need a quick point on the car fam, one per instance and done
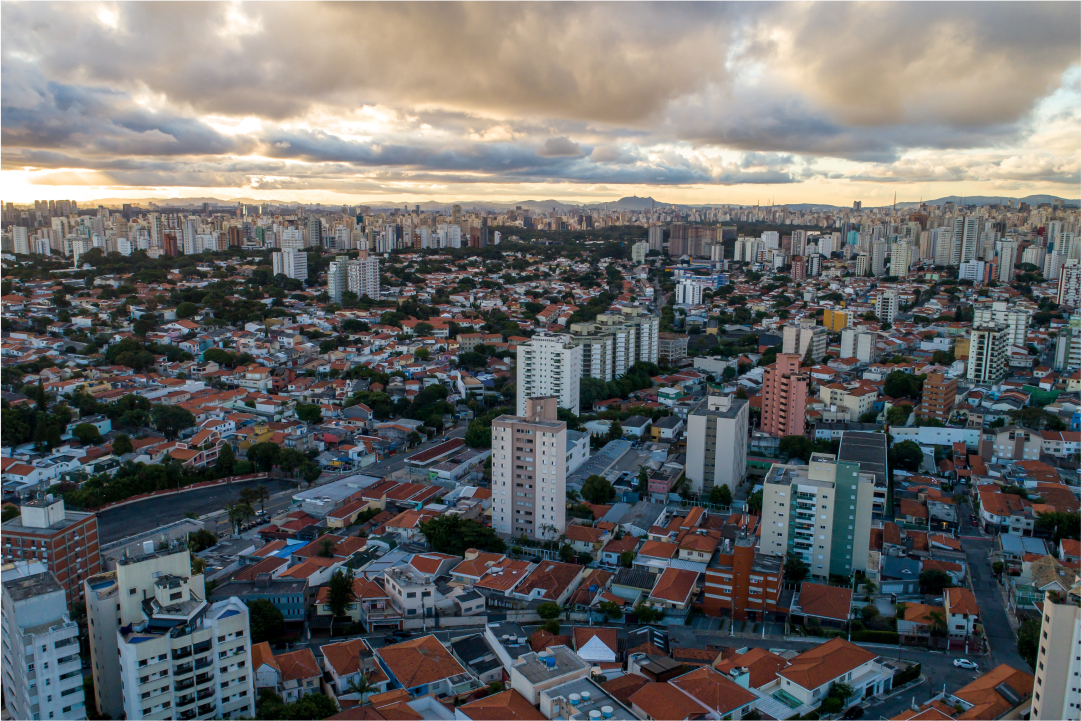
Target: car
(965, 663)
(855, 712)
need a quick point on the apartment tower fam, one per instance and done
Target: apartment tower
(529, 472)
(717, 443)
(549, 365)
(784, 397)
(938, 397)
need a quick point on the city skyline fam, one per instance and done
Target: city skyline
(713, 103)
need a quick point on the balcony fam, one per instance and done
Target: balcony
(185, 700)
(182, 669)
(207, 708)
(186, 715)
(204, 678)
(181, 653)
(184, 685)
(202, 647)
(203, 663)
(204, 694)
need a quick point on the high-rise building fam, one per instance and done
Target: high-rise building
(314, 232)
(66, 542)
(717, 443)
(291, 239)
(1068, 345)
(1069, 284)
(190, 229)
(363, 277)
(21, 240)
(291, 263)
(656, 238)
(859, 344)
(549, 365)
(835, 321)
(338, 278)
(798, 339)
(614, 342)
(863, 265)
(1055, 692)
(169, 245)
(886, 305)
(43, 676)
(688, 292)
(988, 353)
(878, 258)
(784, 397)
(821, 512)
(158, 649)
(938, 397)
(1006, 260)
(900, 259)
(529, 471)
(999, 311)
(965, 240)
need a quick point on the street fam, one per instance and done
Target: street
(996, 626)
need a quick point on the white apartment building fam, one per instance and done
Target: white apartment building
(292, 239)
(656, 238)
(1007, 258)
(878, 258)
(900, 259)
(688, 292)
(614, 342)
(337, 279)
(1069, 284)
(807, 335)
(988, 353)
(821, 512)
(863, 264)
(292, 263)
(549, 365)
(1056, 693)
(886, 305)
(529, 472)
(20, 239)
(859, 344)
(1000, 312)
(717, 443)
(42, 671)
(363, 277)
(159, 650)
(974, 270)
(965, 240)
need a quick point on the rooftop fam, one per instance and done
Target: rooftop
(534, 667)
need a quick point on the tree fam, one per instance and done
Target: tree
(122, 445)
(1028, 640)
(869, 417)
(567, 554)
(186, 310)
(289, 459)
(361, 687)
(170, 420)
(453, 534)
(596, 489)
(869, 613)
(754, 503)
(611, 610)
(897, 415)
(413, 439)
(238, 513)
(1059, 525)
(226, 460)
(309, 413)
(932, 581)
(899, 384)
(626, 559)
(906, 455)
(938, 624)
(795, 570)
(87, 434)
(265, 620)
(552, 626)
(720, 495)
(615, 431)
(795, 447)
(264, 455)
(648, 614)
(259, 495)
(202, 540)
(548, 610)
(340, 593)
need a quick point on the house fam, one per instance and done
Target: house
(349, 662)
(664, 702)
(586, 539)
(667, 428)
(550, 581)
(809, 675)
(291, 675)
(423, 666)
(635, 426)
(674, 590)
(610, 554)
(598, 646)
(717, 692)
(761, 665)
(506, 706)
(962, 611)
(827, 605)
(368, 598)
(1001, 693)
(533, 673)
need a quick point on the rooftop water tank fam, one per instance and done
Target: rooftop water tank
(585, 696)
(550, 661)
(575, 699)
(594, 716)
(607, 711)
(148, 546)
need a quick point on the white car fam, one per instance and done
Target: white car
(964, 663)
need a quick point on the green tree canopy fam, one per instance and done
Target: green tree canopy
(454, 535)
(265, 620)
(596, 489)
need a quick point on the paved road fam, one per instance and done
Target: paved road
(117, 523)
(1000, 634)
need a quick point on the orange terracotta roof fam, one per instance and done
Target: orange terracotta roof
(961, 600)
(664, 701)
(762, 665)
(420, 661)
(825, 601)
(675, 585)
(986, 701)
(822, 664)
(297, 665)
(507, 706)
(714, 690)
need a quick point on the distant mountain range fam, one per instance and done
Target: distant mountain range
(632, 202)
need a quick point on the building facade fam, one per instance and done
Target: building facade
(988, 353)
(717, 443)
(784, 397)
(529, 472)
(549, 365)
(1055, 693)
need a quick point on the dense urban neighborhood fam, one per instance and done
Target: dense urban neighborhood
(623, 461)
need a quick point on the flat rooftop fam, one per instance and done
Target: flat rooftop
(598, 699)
(337, 491)
(867, 449)
(24, 587)
(782, 475)
(535, 669)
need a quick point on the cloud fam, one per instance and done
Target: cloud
(561, 147)
(652, 94)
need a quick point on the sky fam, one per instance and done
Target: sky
(580, 102)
